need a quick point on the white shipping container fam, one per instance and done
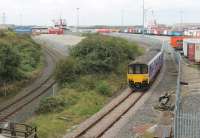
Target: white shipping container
(165, 32)
(197, 53)
(125, 31)
(185, 48)
(196, 42)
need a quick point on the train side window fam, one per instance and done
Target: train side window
(144, 69)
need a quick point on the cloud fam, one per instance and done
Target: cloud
(98, 11)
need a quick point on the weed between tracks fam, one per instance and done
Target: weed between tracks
(84, 103)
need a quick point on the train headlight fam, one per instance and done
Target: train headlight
(131, 82)
(145, 81)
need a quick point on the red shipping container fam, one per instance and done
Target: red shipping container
(191, 52)
(104, 30)
(177, 42)
(56, 31)
(130, 30)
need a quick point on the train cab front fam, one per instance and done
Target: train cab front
(138, 78)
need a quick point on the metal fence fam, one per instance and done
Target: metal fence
(177, 120)
(16, 130)
(186, 125)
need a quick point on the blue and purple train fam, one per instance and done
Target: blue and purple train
(142, 72)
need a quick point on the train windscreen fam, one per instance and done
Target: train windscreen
(138, 69)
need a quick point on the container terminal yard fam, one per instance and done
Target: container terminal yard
(78, 76)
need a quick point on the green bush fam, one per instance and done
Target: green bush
(103, 88)
(19, 55)
(52, 104)
(67, 70)
(9, 62)
(96, 54)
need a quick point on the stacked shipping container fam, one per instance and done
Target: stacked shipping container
(191, 49)
(58, 31)
(177, 42)
(104, 30)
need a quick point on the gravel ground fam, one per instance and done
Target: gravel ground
(191, 92)
(60, 43)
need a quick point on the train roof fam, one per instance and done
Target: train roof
(147, 57)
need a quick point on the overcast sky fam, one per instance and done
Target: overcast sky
(98, 12)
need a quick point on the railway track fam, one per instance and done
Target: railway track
(101, 122)
(7, 112)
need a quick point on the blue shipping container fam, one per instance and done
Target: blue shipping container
(23, 29)
(174, 33)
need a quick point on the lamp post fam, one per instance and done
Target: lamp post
(122, 17)
(143, 11)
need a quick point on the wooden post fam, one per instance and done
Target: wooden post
(12, 128)
(5, 89)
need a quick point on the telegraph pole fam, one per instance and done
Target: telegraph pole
(143, 11)
(77, 26)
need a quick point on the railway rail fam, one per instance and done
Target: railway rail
(105, 119)
(8, 111)
(99, 124)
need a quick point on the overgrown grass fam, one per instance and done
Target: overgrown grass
(87, 82)
(85, 104)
